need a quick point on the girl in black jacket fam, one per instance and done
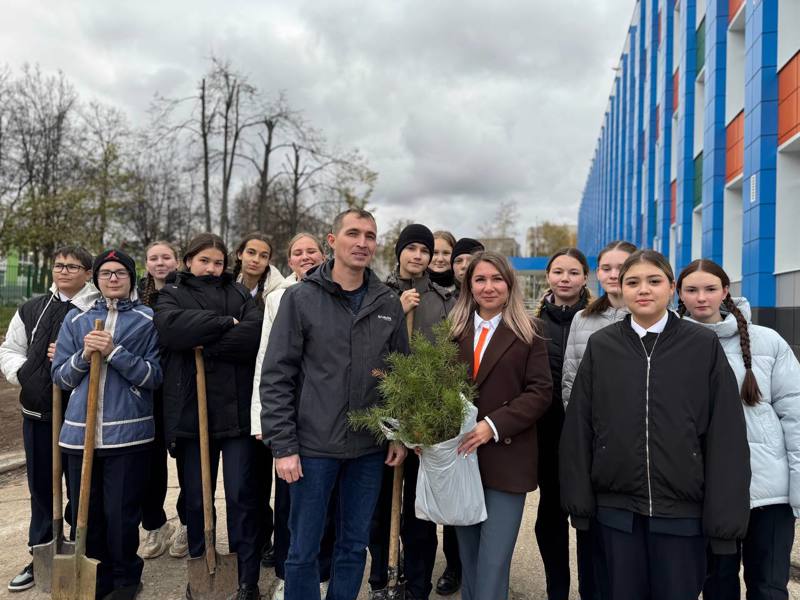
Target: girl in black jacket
(654, 443)
(207, 308)
(567, 275)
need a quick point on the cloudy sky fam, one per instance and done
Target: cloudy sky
(457, 105)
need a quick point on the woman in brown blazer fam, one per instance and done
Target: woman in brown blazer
(508, 362)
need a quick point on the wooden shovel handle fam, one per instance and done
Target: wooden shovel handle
(410, 323)
(56, 417)
(394, 531)
(90, 435)
(205, 458)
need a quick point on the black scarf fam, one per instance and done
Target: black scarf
(444, 279)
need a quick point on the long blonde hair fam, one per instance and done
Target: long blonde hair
(514, 315)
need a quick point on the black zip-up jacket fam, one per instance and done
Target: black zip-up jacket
(660, 437)
(199, 311)
(320, 364)
(557, 320)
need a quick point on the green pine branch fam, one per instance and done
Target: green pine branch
(421, 391)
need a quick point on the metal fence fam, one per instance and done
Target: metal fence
(19, 282)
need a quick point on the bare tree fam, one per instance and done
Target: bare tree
(504, 222)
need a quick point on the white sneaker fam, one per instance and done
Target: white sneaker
(278, 593)
(323, 589)
(180, 545)
(157, 541)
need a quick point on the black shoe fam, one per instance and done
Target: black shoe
(248, 592)
(268, 557)
(23, 581)
(129, 592)
(449, 583)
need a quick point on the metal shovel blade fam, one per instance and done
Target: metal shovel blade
(395, 591)
(43, 557)
(217, 585)
(74, 577)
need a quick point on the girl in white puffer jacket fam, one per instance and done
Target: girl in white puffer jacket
(768, 374)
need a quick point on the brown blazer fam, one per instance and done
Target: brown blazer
(514, 390)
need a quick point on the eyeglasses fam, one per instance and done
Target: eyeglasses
(120, 274)
(70, 268)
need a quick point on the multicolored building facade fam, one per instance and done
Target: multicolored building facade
(699, 151)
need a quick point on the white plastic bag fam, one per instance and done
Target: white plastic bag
(449, 488)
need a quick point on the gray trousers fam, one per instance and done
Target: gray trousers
(487, 548)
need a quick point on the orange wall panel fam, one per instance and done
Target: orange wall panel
(734, 147)
(673, 201)
(789, 100)
(733, 8)
(676, 79)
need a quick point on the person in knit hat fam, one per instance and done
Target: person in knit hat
(430, 304)
(124, 261)
(130, 370)
(463, 251)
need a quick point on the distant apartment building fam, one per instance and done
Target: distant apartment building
(506, 246)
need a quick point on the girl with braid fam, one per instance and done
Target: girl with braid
(251, 266)
(768, 375)
(161, 264)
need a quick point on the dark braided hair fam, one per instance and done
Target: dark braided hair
(149, 292)
(750, 392)
(237, 266)
(603, 303)
(581, 258)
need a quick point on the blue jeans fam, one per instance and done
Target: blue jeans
(359, 481)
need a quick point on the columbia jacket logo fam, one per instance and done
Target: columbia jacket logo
(385, 318)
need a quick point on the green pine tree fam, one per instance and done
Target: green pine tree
(422, 391)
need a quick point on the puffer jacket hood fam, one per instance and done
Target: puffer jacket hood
(582, 328)
(271, 283)
(128, 375)
(773, 425)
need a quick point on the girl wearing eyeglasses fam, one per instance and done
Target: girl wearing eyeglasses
(129, 373)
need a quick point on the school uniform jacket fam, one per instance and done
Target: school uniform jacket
(661, 437)
(128, 375)
(23, 354)
(199, 311)
(514, 391)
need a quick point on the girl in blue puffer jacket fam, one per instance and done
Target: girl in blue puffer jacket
(129, 373)
(769, 378)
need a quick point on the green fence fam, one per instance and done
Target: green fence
(19, 282)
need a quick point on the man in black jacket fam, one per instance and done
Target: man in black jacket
(331, 332)
(25, 357)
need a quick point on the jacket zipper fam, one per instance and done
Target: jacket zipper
(647, 423)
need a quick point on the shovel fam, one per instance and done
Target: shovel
(74, 577)
(43, 554)
(212, 576)
(395, 589)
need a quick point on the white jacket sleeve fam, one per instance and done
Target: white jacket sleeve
(572, 360)
(785, 391)
(270, 310)
(14, 350)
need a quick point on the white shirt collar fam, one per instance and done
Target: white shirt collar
(63, 298)
(491, 323)
(657, 327)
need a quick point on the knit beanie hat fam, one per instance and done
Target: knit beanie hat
(465, 246)
(116, 256)
(411, 234)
